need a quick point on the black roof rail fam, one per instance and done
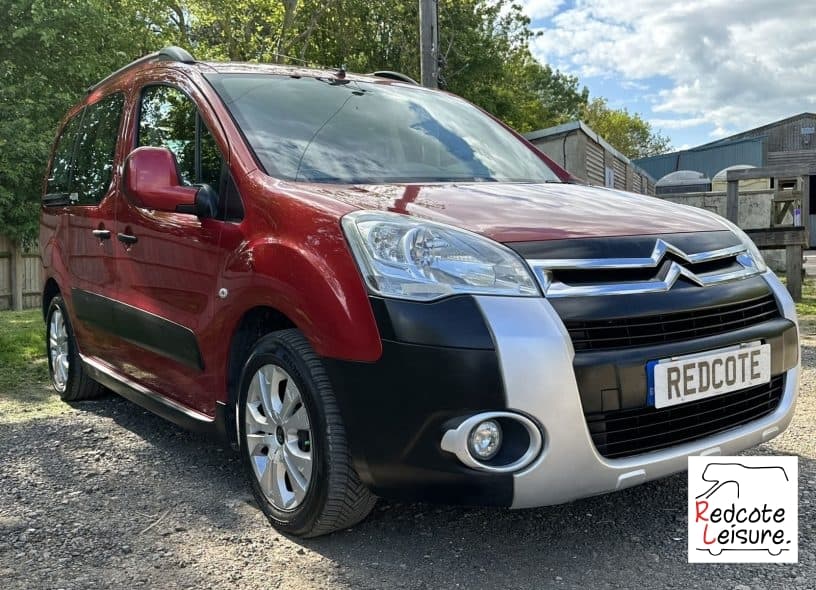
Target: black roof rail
(175, 53)
(394, 76)
(171, 53)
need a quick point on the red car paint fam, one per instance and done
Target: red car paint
(525, 212)
(288, 253)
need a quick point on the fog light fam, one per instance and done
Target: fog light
(485, 440)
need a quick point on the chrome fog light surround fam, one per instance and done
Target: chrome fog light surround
(457, 441)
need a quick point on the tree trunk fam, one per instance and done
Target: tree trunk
(289, 8)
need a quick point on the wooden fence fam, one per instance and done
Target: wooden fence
(20, 276)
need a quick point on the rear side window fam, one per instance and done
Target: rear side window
(83, 159)
(59, 181)
(95, 150)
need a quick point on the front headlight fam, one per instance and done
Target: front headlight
(410, 258)
(753, 251)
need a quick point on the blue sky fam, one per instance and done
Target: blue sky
(697, 70)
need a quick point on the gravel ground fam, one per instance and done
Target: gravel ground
(109, 496)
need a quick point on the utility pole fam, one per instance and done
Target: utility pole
(429, 42)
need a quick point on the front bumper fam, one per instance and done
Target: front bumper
(534, 348)
(443, 362)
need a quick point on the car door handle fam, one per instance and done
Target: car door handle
(102, 234)
(127, 239)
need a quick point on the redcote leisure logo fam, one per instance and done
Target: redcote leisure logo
(743, 510)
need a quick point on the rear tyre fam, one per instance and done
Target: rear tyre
(293, 442)
(64, 365)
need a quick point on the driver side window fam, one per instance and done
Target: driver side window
(168, 118)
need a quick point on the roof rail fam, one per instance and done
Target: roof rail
(171, 53)
(394, 76)
(174, 53)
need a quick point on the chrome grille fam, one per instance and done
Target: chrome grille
(586, 277)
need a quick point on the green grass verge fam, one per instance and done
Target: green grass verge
(807, 308)
(25, 391)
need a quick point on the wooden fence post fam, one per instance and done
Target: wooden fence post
(793, 271)
(17, 278)
(732, 202)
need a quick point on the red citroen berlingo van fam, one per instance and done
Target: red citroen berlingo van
(375, 289)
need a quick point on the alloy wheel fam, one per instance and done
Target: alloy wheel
(279, 437)
(58, 350)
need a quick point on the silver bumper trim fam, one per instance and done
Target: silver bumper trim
(536, 356)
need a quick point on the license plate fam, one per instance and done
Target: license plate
(689, 378)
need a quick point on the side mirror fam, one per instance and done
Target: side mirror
(205, 205)
(151, 180)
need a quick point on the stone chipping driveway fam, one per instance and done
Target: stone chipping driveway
(107, 495)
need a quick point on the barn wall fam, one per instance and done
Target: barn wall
(709, 160)
(594, 163)
(786, 136)
(804, 157)
(566, 151)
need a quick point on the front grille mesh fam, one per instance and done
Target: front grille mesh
(622, 433)
(670, 327)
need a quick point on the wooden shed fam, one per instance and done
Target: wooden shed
(588, 157)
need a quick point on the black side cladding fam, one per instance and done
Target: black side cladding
(138, 327)
(438, 365)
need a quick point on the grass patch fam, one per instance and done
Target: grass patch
(807, 307)
(25, 391)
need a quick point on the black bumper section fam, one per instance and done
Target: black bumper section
(397, 409)
(615, 379)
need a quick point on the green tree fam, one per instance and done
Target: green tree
(50, 52)
(627, 132)
(484, 44)
(489, 62)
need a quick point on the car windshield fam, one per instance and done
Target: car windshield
(329, 130)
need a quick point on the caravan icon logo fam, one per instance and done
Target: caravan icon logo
(743, 510)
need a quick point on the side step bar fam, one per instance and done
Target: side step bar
(170, 410)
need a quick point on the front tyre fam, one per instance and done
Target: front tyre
(64, 364)
(293, 443)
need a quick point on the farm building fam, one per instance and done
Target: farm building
(790, 142)
(588, 157)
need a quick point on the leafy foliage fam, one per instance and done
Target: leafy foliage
(49, 53)
(628, 133)
(51, 50)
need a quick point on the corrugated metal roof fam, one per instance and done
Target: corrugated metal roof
(756, 131)
(708, 159)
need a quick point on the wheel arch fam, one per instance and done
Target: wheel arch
(50, 290)
(254, 324)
